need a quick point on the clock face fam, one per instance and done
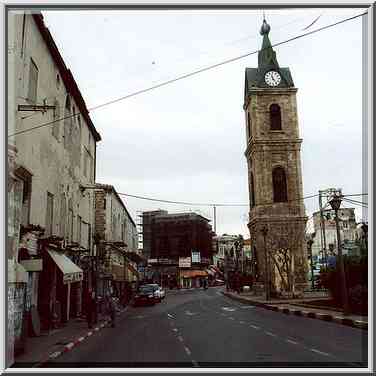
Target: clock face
(272, 78)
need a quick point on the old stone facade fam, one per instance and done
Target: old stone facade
(274, 167)
(117, 241)
(50, 127)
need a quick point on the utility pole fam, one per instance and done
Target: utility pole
(215, 219)
(322, 228)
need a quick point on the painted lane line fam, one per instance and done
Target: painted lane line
(231, 318)
(170, 316)
(174, 329)
(270, 334)
(81, 339)
(89, 334)
(241, 322)
(55, 354)
(180, 338)
(291, 341)
(320, 352)
(187, 350)
(255, 327)
(96, 329)
(69, 346)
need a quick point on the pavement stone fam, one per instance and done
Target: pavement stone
(58, 341)
(298, 308)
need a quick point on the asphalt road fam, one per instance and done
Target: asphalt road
(202, 328)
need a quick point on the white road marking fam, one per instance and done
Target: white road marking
(255, 327)
(170, 316)
(231, 318)
(189, 313)
(81, 339)
(89, 334)
(70, 345)
(174, 329)
(291, 341)
(187, 350)
(194, 363)
(55, 354)
(271, 334)
(180, 338)
(247, 307)
(320, 352)
(229, 309)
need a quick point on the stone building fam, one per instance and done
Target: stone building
(274, 167)
(225, 245)
(117, 242)
(49, 125)
(348, 232)
(180, 248)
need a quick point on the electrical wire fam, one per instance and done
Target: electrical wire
(364, 205)
(192, 73)
(199, 204)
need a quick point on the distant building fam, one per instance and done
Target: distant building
(225, 245)
(348, 231)
(117, 242)
(179, 247)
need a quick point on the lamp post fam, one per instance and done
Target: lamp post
(264, 232)
(309, 245)
(335, 203)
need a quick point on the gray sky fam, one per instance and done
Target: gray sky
(186, 141)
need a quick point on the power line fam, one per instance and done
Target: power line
(192, 73)
(358, 194)
(364, 205)
(201, 203)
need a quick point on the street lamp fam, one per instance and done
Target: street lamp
(309, 245)
(264, 232)
(335, 203)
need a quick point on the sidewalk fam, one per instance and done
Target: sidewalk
(40, 349)
(299, 307)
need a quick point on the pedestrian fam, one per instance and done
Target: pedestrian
(90, 307)
(111, 309)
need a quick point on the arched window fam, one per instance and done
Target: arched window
(279, 185)
(275, 117)
(249, 125)
(252, 192)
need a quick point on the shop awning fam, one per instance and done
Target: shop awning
(193, 273)
(71, 272)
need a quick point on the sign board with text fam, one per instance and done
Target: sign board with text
(184, 262)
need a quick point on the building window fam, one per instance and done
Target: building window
(57, 80)
(275, 117)
(33, 82)
(249, 125)
(67, 122)
(79, 229)
(49, 213)
(279, 185)
(55, 127)
(252, 192)
(63, 215)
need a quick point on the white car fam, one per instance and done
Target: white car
(158, 291)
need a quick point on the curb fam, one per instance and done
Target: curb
(73, 344)
(298, 312)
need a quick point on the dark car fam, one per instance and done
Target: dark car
(144, 296)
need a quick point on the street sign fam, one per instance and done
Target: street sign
(184, 262)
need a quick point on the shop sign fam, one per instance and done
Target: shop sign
(184, 262)
(72, 277)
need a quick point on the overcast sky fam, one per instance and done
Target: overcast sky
(186, 141)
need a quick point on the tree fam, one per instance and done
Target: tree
(286, 251)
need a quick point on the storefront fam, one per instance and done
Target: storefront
(192, 278)
(60, 288)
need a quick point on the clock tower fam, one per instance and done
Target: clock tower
(277, 217)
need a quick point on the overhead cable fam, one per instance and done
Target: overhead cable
(191, 74)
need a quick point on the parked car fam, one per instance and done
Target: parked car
(159, 292)
(144, 296)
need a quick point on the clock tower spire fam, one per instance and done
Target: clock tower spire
(275, 184)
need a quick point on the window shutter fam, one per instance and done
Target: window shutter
(33, 82)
